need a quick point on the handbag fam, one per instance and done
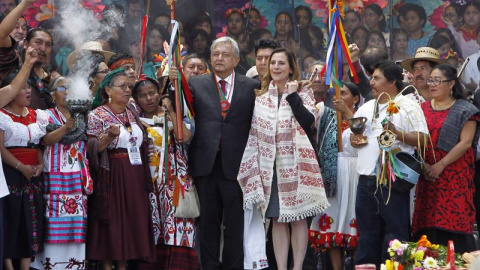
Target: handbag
(408, 169)
(188, 204)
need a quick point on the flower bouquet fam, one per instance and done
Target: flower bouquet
(422, 255)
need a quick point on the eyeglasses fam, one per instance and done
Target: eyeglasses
(61, 89)
(124, 87)
(436, 82)
(105, 71)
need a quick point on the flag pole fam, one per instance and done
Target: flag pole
(178, 104)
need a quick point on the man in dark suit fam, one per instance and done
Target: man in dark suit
(223, 103)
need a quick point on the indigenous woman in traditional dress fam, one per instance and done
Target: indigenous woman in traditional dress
(119, 224)
(21, 129)
(336, 228)
(67, 182)
(174, 237)
(444, 208)
(279, 170)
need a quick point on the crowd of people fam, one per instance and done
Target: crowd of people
(259, 147)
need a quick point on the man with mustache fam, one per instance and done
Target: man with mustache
(38, 39)
(420, 66)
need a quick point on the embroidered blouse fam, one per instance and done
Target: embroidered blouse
(102, 117)
(26, 129)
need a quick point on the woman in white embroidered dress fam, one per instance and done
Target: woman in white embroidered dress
(279, 170)
(21, 129)
(67, 182)
(174, 237)
(8, 92)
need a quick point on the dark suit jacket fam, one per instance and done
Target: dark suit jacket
(212, 132)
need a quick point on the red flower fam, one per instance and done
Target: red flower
(338, 239)
(352, 242)
(71, 206)
(73, 152)
(324, 222)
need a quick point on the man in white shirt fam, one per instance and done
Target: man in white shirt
(470, 76)
(379, 221)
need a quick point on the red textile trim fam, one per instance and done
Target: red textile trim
(119, 153)
(121, 62)
(27, 156)
(321, 241)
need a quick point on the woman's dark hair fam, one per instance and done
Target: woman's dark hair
(306, 42)
(194, 34)
(255, 37)
(289, 17)
(360, 28)
(163, 32)
(457, 7)
(398, 31)
(419, 10)
(353, 88)
(318, 33)
(438, 41)
(141, 83)
(392, 72)
(96, 60)
(453, 42)
(306, 9)
(474, 4)
(110, 84)
(259, 14)
(354, 12)
(198, 19)
(378, 10)
(378, 33)
(450, 73)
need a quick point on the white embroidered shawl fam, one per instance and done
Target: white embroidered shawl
(276, 137)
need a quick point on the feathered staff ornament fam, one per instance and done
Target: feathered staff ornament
(390, 166)
(336, 53)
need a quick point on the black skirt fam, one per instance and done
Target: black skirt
(22, 215)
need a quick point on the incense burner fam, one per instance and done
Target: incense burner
(79, 109)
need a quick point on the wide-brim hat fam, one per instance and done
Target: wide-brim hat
(422, 54)
(93, 47)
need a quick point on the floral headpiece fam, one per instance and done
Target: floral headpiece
(234, 10)
(449, 55)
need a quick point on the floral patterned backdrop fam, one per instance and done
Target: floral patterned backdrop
(44, 9)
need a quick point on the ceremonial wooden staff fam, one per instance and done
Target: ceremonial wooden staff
(337, 50)
(247, 23)
(173, 57)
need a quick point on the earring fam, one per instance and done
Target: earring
(451, 92)
(109, 99)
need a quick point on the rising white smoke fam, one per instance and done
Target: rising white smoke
(82, 25)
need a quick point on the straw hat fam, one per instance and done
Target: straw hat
(425, 54)
(92, 46)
